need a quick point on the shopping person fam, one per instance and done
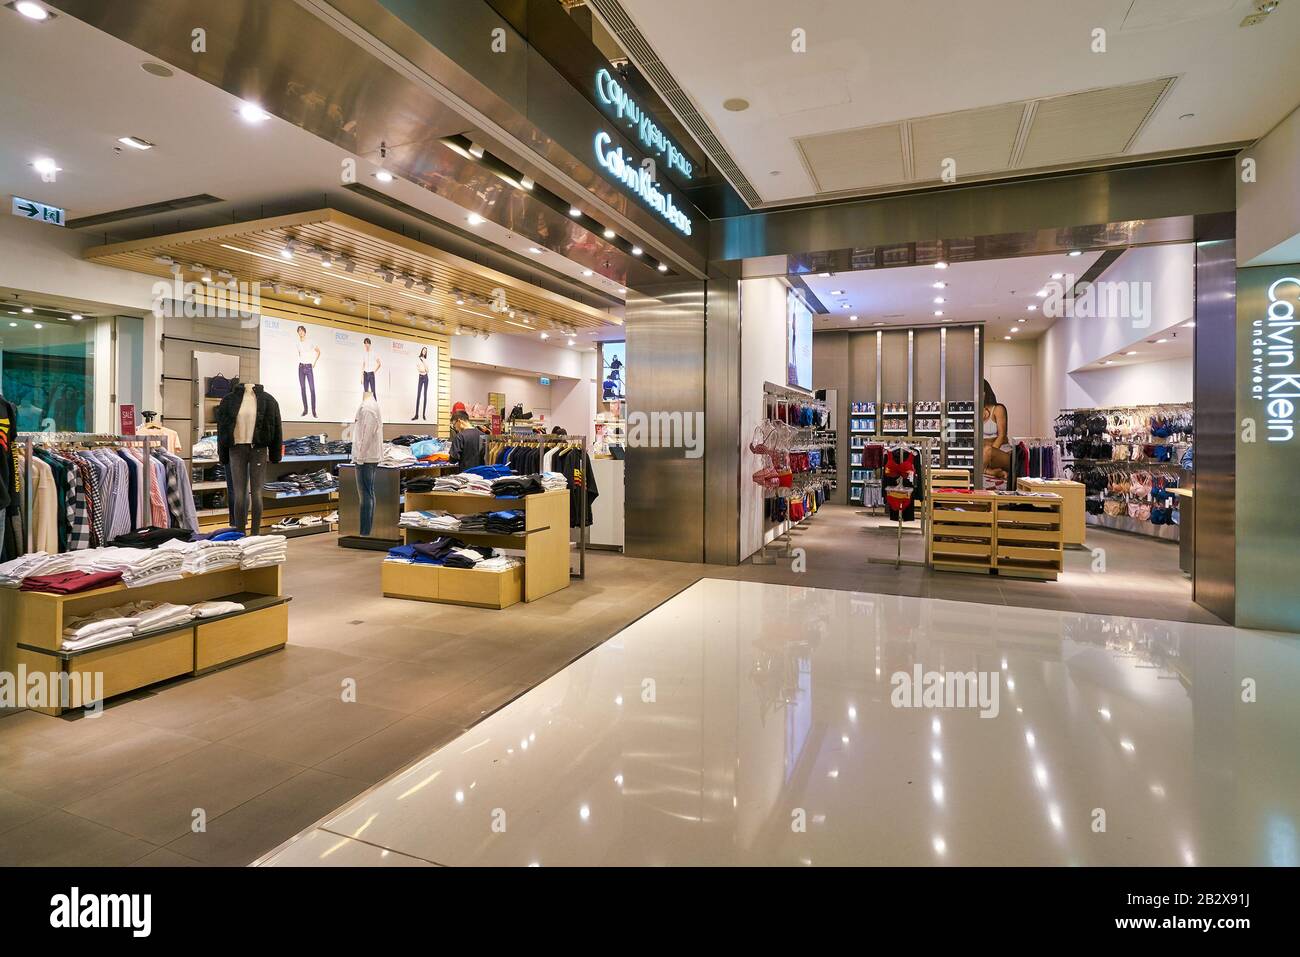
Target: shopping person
(422, 384)
(308, 356)
(370, 364)
(466, 444)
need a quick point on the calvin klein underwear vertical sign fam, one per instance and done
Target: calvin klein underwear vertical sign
(1275, 379)
(625, 167)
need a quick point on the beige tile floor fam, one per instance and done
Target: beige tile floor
(220, 769)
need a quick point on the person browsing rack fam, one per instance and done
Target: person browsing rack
(467, 443)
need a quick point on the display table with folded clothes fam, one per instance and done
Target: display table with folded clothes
(132, 617)
(303, 483)
(462, 530)
(313, 446)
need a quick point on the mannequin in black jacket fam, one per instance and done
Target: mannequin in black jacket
(249, 435)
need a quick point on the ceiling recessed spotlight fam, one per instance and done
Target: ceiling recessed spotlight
(383, 175)
(1006, 337)
(37, 325)
(32, 10)
(587, 272)
(940, 285)
(135, 142)
(1131, 352)
(621, 291)
(46, 166)
(534, 250)
(824, 275)
(1041, 294)
(844, 305)
(1189, 324)
(609, 233)
(637, 250)
(853, 318)
(252, 113)
(1106, 363)
(546, 335)
(877, 323)
(13, 325)
(76, 317)
(1076, 252)
(1031, 308)
(939, 300)
(837, 292)
(662, 267)
(735, 104)
(156, 69)
(575, 212)
(526, 182)
(1015, 328)
(1161, 340)
(28, 310)
(941, 265)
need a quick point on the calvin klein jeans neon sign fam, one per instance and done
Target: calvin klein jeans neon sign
(637, 179)
(1274, 340)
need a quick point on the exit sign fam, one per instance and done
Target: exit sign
(30, 209)
(544, 380)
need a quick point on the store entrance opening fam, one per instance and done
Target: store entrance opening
(1015, 431)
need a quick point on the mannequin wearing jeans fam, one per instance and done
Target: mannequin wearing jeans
(249, 435)
(367, 449)
(247, 473)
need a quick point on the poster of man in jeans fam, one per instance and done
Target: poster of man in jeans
(320, 372)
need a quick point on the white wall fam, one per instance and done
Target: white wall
(528, 353)
(1169, 380)
(574, 400)
(1268, 210)
(762, 359)
(1016, 361)
(47, 259)
(472, 386)
(1072, 343)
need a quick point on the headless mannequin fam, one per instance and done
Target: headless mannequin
(247, 467)
(367, 450)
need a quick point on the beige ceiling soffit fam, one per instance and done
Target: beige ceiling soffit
(476, 118)
(909, 152)
(251, 252)
(1105, 121)
(616, 20)
(1022, 134)
(860, 158)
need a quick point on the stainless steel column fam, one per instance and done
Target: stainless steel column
(722, 485)
(1214, 384)
(664, 511)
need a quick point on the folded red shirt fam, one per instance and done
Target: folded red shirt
(65, 583)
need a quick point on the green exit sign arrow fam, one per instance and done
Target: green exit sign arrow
(30, 209)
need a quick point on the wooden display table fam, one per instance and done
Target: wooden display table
(544, 542)
(1073, 517)
(33, 623)
(986, 533)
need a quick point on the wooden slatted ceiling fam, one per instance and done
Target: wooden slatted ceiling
(251, 251)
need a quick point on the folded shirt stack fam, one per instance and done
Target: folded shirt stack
(152, 537)
(304, 483)
(123, 621)
(139, 566)
(450, 483)
(515, 485)
(396, 456)
(338, 447)
(88, 632)
(552, 481)
(489, 471)
(477, 485)
(306, 445)
(161, 615)
(464, 557)
(498, 564)
(419, 483)
(505, 523)
(205, 555)
(13, 572)
(67, 583)
(474, 522)
(429, 519)
(259, 551)
(210, 609)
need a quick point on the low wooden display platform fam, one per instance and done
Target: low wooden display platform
(33, 623)
(544, 542)
(1074, 524)
(1013, 535)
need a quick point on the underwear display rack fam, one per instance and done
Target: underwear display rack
(902, 467)
(796, 450)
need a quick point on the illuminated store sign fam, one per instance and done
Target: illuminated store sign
(1275, 380)
(610, 92)
(637, 179)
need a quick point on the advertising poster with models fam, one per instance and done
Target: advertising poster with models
(319, 373)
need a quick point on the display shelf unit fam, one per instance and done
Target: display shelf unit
(544, 542)
(1010, 535)
(33, 624)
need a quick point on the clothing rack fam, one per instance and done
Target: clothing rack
(32, 439)
(923, 444)
(540, 440)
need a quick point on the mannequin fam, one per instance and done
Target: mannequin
(367, 450)
(249, 435)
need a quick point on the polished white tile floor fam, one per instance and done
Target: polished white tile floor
(744, 723)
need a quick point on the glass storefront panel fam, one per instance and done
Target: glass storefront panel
(47, 371)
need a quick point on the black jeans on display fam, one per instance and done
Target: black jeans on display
(422, 389)
(307, 379)
(366, 495)
(247, 473)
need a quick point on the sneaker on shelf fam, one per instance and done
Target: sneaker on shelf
(311, 521)
(332, 518)
(290, 522)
